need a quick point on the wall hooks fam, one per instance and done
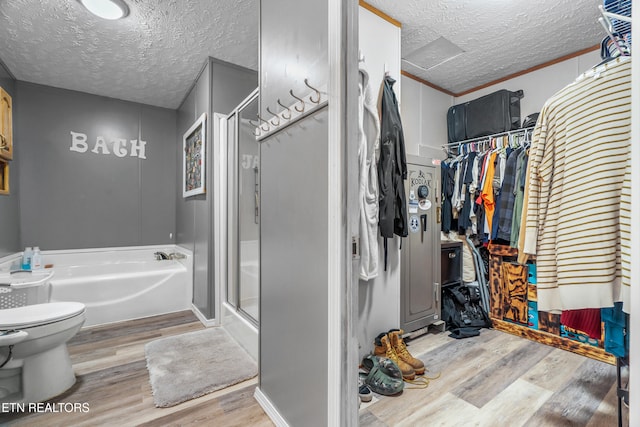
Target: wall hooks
(263, 120)
(301, 100)
(288, 115)
(256, 126)
(287, 108)
(275, 117)
(317, 101)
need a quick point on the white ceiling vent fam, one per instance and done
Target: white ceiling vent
(433, 54)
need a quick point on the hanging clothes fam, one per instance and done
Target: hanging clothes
(464, 219)
(487, 195)
(473, 184)
(392, 168)
(521, 175)
(578, 171)
(368, 149)
(447, 182)
(507, 197)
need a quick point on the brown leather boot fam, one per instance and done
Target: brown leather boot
(383, 348)
(395, 336)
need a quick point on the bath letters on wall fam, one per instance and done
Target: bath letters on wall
(119, 147)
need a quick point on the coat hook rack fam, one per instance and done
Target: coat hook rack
(285, 107)
(257, 130)
(299, 99)
(275, 117)
(299, 109)
(263, 120)
(306, 82)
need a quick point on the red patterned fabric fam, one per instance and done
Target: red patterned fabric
(585, 320)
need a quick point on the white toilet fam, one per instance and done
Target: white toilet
(39, 366)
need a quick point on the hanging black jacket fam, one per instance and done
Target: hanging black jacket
(392, 167)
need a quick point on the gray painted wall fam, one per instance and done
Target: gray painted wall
(10, 204)
(219, 88)
(84, 200)
(294, 221)
(193, 213)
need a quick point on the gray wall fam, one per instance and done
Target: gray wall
(294, 221)
(10, 204)
(192, 214)
(84, 200)
(219, 88)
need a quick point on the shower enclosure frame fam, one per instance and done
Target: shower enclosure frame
(232, 285)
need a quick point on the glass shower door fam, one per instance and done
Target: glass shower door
(244, 211)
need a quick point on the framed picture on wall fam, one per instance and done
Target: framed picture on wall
(193, 158)
(4, 178)
(6, 126)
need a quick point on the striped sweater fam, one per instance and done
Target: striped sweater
(577, 214)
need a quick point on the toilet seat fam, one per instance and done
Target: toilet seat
(30, 316)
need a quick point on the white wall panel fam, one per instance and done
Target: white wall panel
(540, 85)
(379, 298)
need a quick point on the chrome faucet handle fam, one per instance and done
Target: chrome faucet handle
(161, 256)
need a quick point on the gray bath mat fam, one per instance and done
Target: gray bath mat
(191, 365)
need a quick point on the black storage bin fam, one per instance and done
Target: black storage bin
(451, 263)
(456, 123)
(494, 113)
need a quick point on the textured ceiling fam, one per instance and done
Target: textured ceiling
(154, 55)
(497, 37)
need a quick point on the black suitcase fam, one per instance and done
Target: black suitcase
(494, 113)
(456, 123)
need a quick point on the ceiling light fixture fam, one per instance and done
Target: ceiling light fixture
(107, 9)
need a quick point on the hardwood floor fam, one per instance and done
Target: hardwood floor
(112, 379)
(495, 379)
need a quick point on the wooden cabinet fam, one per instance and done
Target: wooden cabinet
(513, 306)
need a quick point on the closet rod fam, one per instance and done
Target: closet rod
(482, 138)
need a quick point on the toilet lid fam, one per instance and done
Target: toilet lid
(38, 314)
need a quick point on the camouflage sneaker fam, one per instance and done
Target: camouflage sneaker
(384, 377)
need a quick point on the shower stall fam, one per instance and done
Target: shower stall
(242, 284)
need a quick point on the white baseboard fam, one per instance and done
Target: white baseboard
(206, 322)
(269, 409)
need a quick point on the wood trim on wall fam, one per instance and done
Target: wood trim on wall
(529, 70)
(500, 80)
(380, 13)
(426, 83)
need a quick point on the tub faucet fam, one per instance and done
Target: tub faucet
(161, 256)
(173, 255)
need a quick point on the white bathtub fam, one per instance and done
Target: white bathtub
(119, 284)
